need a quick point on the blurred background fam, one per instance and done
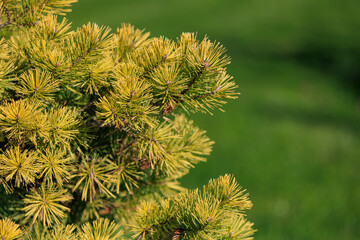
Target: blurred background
(292, 138)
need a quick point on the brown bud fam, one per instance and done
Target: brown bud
(217, 89)
(206, 63)
(168, 109)
(105, 211)
(145, 165)
(177, 233)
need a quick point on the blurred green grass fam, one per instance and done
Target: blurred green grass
(293, 136)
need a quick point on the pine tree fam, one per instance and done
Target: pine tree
(94, 133)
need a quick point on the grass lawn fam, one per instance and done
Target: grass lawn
(292, 139)
(293, 136)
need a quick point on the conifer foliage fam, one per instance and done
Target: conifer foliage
(94, 133)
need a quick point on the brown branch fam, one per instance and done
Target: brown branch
(6, 23)
(208, 94)
(141, 235)
(161, 224)
(86, 107)
(81, 56)
(154, 67)
(124, 147)
(205, 65)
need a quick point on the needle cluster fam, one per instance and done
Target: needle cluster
(94, 131)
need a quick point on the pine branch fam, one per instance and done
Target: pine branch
(27, 11)
(207, 94)
(154, 67)
(81, 56)
(86, 106)
(6, 9)
(6, 23)
(197, 76)
(84, 110)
